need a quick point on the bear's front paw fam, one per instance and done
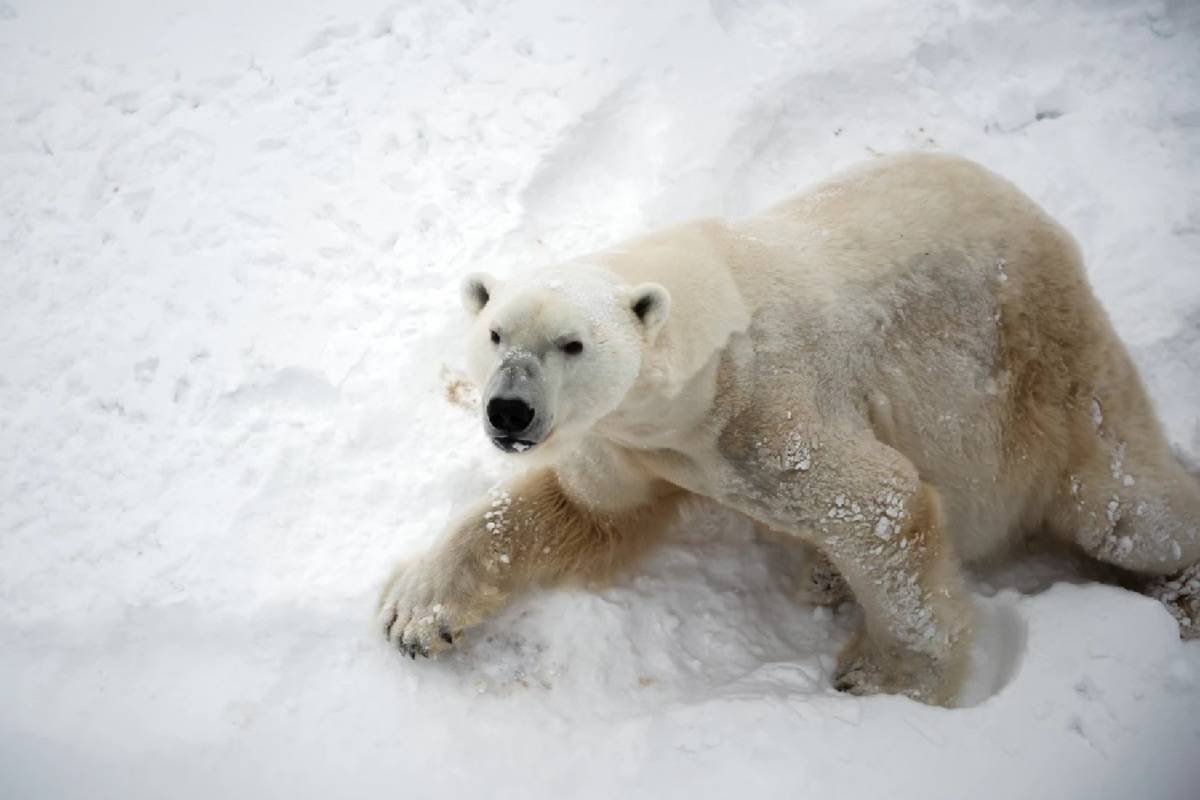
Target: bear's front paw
(857, 673)
(1181, 595)
(419, 616)
(864, 669)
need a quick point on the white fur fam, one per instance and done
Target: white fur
(899, 367)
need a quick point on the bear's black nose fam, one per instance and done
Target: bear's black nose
(509, 415)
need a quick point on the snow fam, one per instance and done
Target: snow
(231, 240)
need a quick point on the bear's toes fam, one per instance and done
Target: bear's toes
(428, 632)
(858, 673)
(1181, 595)
(419, 616)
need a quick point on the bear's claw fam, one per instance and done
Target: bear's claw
(854, 677)
(411, 615)
(415, 638)
(422, 631)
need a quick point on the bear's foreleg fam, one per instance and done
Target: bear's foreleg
(917, 614)
(862, 504)
(530, 532)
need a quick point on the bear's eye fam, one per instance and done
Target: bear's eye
(495, 337)
(573, 348)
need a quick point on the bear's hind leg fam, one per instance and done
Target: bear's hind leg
(1134, 506)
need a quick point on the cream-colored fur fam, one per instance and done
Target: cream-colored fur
(903, 367)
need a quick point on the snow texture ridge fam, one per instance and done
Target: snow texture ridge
(230, 240)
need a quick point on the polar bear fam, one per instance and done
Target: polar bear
(903, 368)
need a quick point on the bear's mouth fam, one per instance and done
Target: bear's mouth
(510, 444)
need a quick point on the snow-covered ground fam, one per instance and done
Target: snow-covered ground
(230, 239)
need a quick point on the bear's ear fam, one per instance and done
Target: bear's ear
(476, 291)
(650, 303)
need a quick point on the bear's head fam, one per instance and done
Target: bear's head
(555, 353)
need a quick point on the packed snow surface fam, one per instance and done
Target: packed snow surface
(230, 239)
